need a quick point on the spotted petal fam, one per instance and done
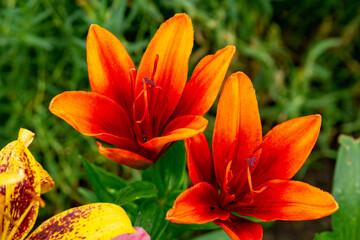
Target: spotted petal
(18, 205)
(92, 221)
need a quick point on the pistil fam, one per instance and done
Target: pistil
(143, 127)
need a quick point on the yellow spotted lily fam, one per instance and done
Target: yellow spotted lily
(22, 180)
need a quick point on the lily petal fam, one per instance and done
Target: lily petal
(7, 178)
(17, 200)
(289, 200)
(199, 160)
(239, 228)
(203, 87)
(286, 147)
(237, 126)
(125, 157)
(94, 115)
(47, 183)
(197, 204)
(140, 234)
(109, 66)
(92, 221)
(172, 43)
(178, 129)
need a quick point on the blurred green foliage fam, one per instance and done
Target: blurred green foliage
(346, 191)
(303, 58)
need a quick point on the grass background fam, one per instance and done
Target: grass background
(303, 58)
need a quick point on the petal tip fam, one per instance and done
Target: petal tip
(231, 48)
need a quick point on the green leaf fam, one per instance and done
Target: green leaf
(346, 191)
(151, 217)
(216, 235)
(168, 174)
(105, 184)
(195, 227)
(88, 194)
(136, 190)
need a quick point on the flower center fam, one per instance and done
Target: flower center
(144, 104)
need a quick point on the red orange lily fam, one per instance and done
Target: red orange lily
(142, 112)
(249, 175)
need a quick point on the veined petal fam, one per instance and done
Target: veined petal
(237, 130)
(125, 157)
(241, 229)
(286, 147)
(288, 200)
(92, 221)
(204, 85)
(178, 129)
(109, 66)
(199, 160)
(172, 43)
(94, 115)
(198, 204)
(18, 199)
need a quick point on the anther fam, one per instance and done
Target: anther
(149, 83)
(36, 198)
(251, 161)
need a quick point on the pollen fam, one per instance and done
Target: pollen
(251, 161)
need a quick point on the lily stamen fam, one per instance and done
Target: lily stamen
(17, 223)
(36, 198)
(155, 66)
(250, 162)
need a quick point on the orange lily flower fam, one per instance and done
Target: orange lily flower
(142, 112)
(248, 174)
(22, 180)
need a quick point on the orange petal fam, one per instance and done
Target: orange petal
(239, 228)
(197, 204)
(173, 43)
(94, 115)
(199, 160)
(109, 66)
(288, 200)
(286, 147)
(237, 125)
(204, 85)
(125, 157)
(178, 129)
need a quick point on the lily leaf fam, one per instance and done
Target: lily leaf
(168, 174)
(216, 235)
(346, 191)
(105, 184)
(136, 190)
(151, 217)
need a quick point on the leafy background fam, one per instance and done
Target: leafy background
(303, 59)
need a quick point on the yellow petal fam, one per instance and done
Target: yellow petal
(7, 178)
(47, 183)
(20, 194)
(92, 221)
